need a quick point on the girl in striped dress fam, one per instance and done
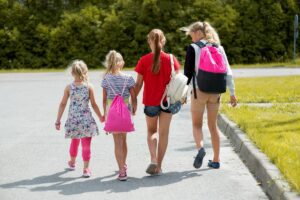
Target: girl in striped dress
(117, 82)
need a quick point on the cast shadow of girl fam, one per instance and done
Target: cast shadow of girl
(79, 185)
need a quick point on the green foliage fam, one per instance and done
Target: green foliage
(47, 34)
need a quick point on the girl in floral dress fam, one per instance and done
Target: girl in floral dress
(80, 124)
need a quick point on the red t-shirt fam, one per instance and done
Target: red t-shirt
(155, 84)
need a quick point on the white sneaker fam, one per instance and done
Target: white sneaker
(86, 173)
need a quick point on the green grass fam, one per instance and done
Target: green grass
(235, 66)
(267, 89)
(269, 65)
(44, 70)
(25, 70)
(276, 129)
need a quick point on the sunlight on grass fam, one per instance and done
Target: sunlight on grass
(269, 65)
(267, 89)
(276, 131)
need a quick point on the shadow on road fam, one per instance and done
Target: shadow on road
(79, 185)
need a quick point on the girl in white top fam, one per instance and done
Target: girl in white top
(203, 32)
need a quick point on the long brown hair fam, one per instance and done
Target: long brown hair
(158, 39)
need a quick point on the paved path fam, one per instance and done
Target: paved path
(33, 155)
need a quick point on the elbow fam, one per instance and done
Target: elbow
(62, 105)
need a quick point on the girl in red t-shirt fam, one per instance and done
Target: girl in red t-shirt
(154, 70)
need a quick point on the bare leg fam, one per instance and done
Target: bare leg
(152, 137)
(212, 114)
(119, 150)
(197, 119)
(124, 139)
(164, 126)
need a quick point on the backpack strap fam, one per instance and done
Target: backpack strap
(124, 86)
(166, 90)
(106, 78)
(172, 66)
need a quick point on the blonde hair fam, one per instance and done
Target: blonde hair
(157, 37)
(79, 69)
(112, 59)
(209, 33)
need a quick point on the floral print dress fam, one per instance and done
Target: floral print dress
(80, 122)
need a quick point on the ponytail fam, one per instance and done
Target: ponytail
(157, 38)
(156, 57)
(210, 34)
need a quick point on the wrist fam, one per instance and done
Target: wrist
(57, 123)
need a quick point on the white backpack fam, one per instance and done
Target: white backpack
(177, 89)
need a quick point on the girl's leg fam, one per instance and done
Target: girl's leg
(74, 150)
(164, 126)
(197, 111)
(86, 151)
(124, 138)
(119, 150)
(197, 120)
(152, 136)
(212, 113)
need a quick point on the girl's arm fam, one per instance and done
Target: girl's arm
(229, 80)
(133, 100)
(104, 100)
(139, 84)
(94, 104)
(62, 107)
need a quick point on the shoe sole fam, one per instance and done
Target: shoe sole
(86, 176)
(151, 169)
(71, 168)
(122, 179)
(210, 166)
(197, 166)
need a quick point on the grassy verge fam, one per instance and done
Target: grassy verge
(276, 129)
(235, 66)
(267, 89)
(44, 70)
(270, 65)
(25, 70)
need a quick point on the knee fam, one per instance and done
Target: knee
(198, 124)
(152, 131)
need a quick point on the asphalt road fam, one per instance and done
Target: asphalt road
(33, 155)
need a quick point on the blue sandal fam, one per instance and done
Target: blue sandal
(215, 165)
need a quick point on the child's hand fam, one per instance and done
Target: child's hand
(133, 110)
(102, 119)
(57, 126)
(233, 101)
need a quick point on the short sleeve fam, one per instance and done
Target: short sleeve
(140, 68)
(176, 64)
(104, 83)
(131, 82)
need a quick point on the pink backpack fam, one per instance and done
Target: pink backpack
(118, 117)
(211, 60)
(212, 69)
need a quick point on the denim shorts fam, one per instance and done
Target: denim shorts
(153, 111)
